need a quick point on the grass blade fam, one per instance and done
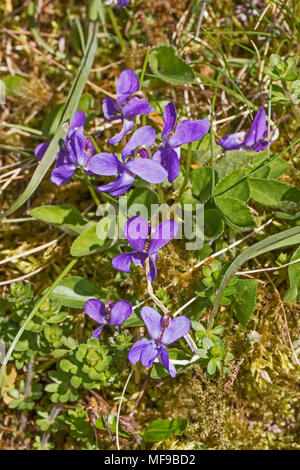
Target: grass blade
(68, 113)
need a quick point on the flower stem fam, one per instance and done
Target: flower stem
(91, 189)
(144, 67)
(116, 29)
(187, 173)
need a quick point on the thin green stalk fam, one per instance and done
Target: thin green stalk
(34, 311)
(91, 189)
(15, 149)
(108, 196)
(213, 174)
(23, 128)
(116, 29)
(187, 173)
(269, 118)
(144, 67)
(97, 148)
(35, 32)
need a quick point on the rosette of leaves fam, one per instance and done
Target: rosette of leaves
(95, 361)
(212, 350)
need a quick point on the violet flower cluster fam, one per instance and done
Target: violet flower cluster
(256, 139)
(141, 156)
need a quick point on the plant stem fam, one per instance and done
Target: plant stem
(213, 174)
(91, 189)
(187, 173)
(116, 29)
(144, 67)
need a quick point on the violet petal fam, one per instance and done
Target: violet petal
(106, 164)
(136, 231)
(120, 311)
(169, 117)
(178, 327)
(189, 131)
(153, 321)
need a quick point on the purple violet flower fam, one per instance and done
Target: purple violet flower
(145, 245)
(111, 314)
(108, 164)
(118, 3)
(127, 106)
(168, 154)
(75, 151)
(163, 332)
(256, 139)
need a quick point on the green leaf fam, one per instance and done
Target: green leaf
(202, 183)
(143, 196)
(211, 366)
(133, 320)
(65, 217)
(14, 84)
(86, 102)
(75, 291)
(278, 167)
(280, 240)
(169, 67)
(235, 211)
(240, 190)
(244, 300)
(161, 429)
(88, 242)
(70, 108)
(294, 277)
(233, 160)
(267, 191)
(213, 224)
